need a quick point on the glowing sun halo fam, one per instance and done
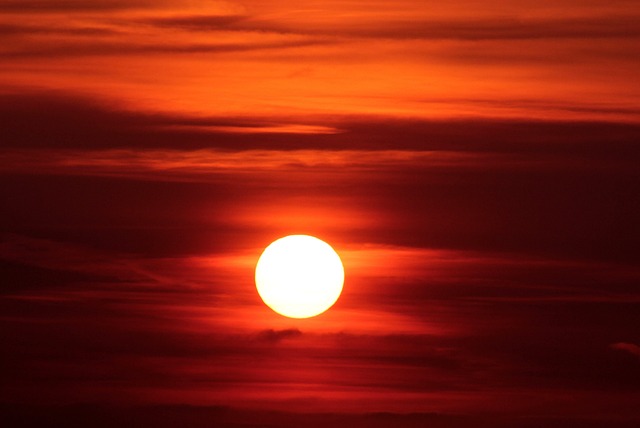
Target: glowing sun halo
(299, 276)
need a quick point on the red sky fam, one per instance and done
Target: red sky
(474, 163)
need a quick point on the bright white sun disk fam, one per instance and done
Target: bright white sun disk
(299, 276)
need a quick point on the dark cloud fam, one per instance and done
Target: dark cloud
(510, 26)
(225, 417)
(627, 347)
(558, 189)
(98, 340)
(559, 214)
(73, 48)
(25, 278)
(55, 120)
(464, 29)
(71, 5)
(59, 121)
(275, 336)
(197, 22)
(14, 29)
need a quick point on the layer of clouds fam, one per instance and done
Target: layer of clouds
(55, 120)
(490, 253)
(348, 19)
(557, 188)
(461, 54)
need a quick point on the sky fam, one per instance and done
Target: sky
(473, 163)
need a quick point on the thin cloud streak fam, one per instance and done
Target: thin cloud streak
(631, 348)
(181, 165)
(73, 5)
(615, 27)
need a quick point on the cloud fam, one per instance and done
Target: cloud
(275, 336)
(462, 54)
(74, 5)
(167, 416)
(63, 257)
(141, 31)
(206, 165)
(631, 348)
(461, 29)
(559, 189)
(196, 22)
(122, 48)
(65, 121)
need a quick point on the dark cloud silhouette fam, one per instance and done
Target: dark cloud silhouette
(72, 5)
(225, 417)
(55, 120)
(275, 336)
(461, 29)
(198, 22)
(561, 189)
(627, 347)
(124, 48)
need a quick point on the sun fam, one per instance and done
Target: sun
(299, 276)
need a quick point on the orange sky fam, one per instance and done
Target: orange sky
(298, 61)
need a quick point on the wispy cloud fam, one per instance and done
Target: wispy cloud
(513, 28)
(631, 348)
(204, 164)
(72, 5)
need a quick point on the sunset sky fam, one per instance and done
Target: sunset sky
(476, 164)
